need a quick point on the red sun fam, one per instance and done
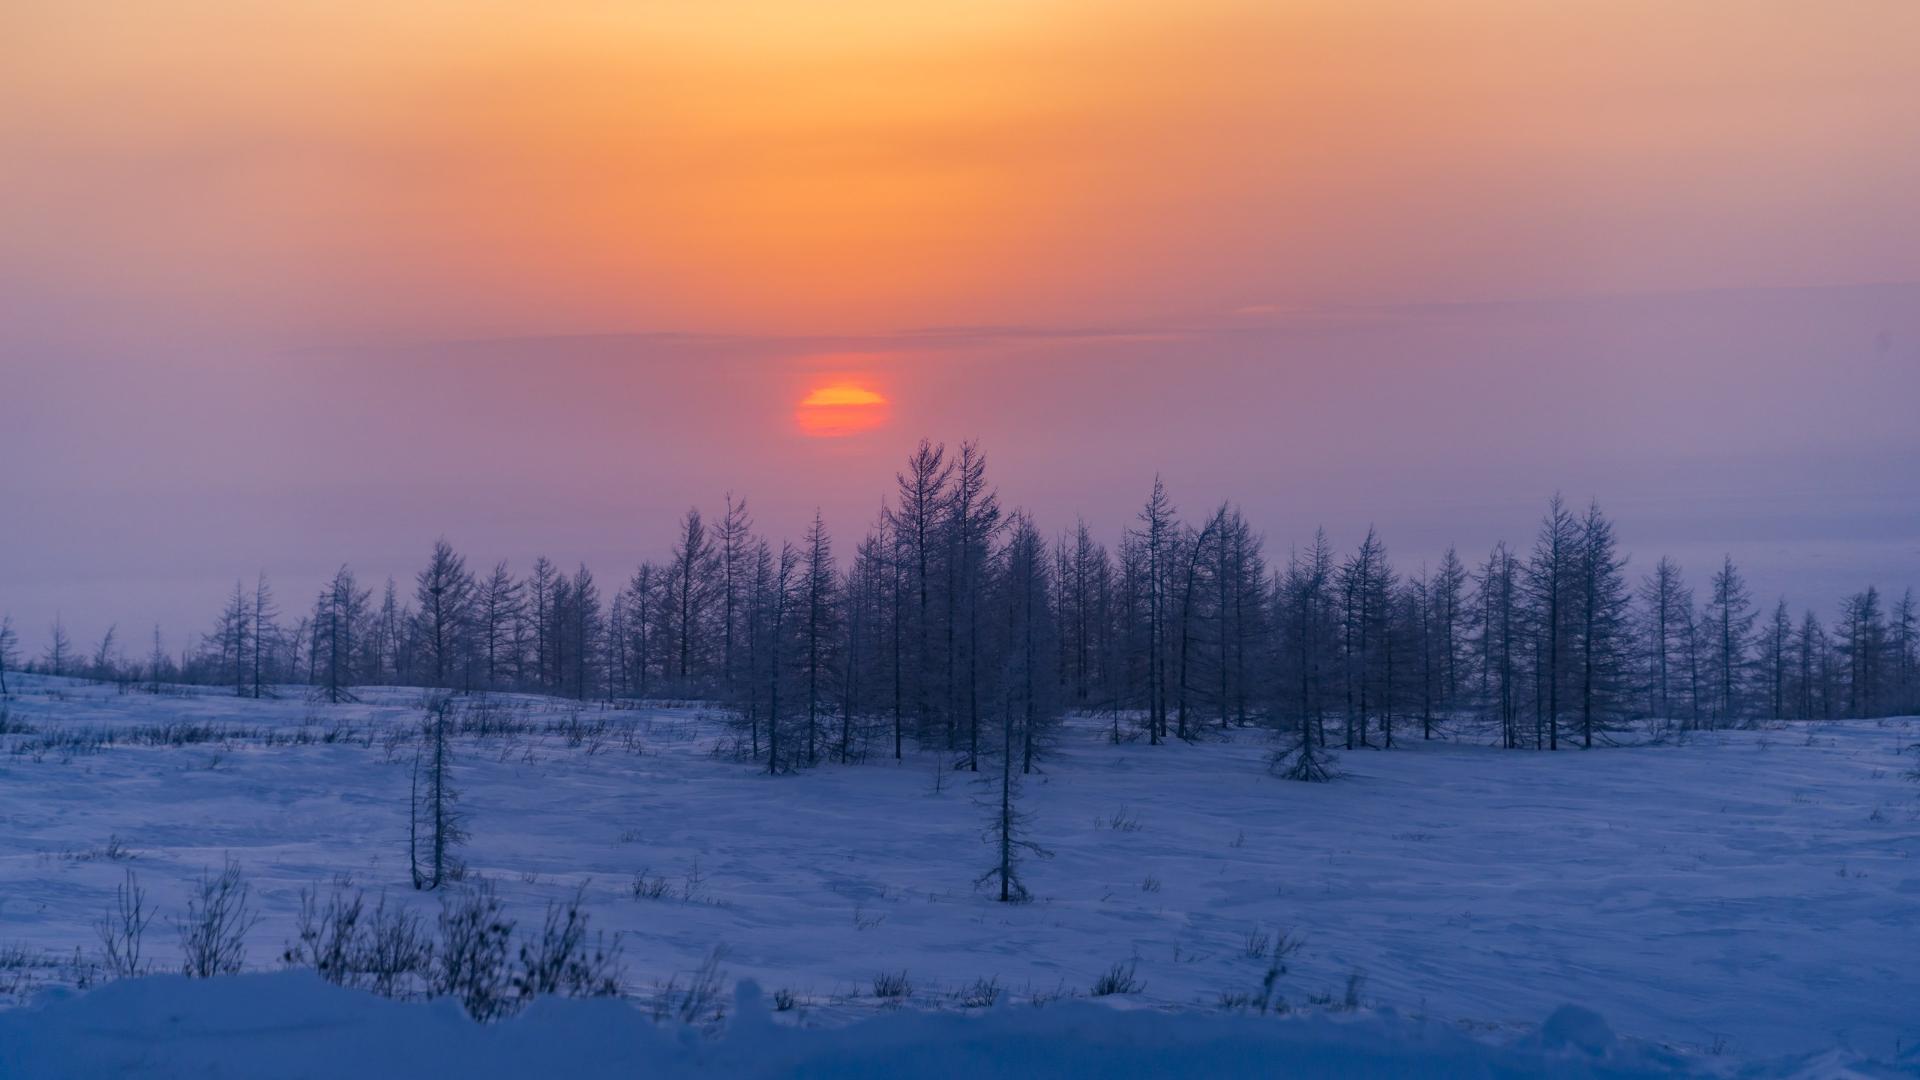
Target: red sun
(839, 409)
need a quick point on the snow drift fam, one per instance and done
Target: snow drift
(293, 1025)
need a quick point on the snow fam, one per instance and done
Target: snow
(293, 1025)
(1752, 894)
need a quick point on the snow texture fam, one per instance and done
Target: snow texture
(293, 1025)
(1741, 896)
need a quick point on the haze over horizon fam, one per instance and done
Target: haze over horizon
(289, 287)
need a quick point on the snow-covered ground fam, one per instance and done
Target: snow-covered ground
(293, 1025)
(1753, 894)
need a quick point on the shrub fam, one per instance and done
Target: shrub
(1118, 979)
(699, 1001)
(563, 961)
(213, 936)
(654, 887)
(981, 993)
(472, 962)
(122, 928)
(890, 985)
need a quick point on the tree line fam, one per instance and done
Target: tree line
(955, 624)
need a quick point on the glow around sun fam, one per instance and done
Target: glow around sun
(839, 409)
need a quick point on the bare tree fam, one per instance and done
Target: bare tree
(1730, 620)
(778, 603)
(1498, 619)
(1025, 699)
(434, 802)
(263, 631)
(123, 928)
(501, 605)
(9, 650)
(1861, 640)
(1155, 537)
(820, 630)
(1904, 628)
(921, 495)
(1365, 584)
(1666, 601)
(972, 521)
(1552, 577)
(338, 616)
(735, 539)
(59, 648)
(157, 662)
(1809, 658)
(213, 936)
(1602, 632)
(689, 583)
(105, 655)
(1305, 605)
(1777, 651)
(444, 590)
(231, 637)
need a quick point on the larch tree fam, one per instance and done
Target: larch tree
(1364, 583)
(690, 581)
(921, 497)
(435, 802)
(9, 650)
(735, 537)
(779, 601)
(1155, 541)
(1448, 591)
(444, 592)
(863, 611)
(385, 636)
(1307, 637)
(1193, 558)
(500, 608)
(819, 631)
(338, 615)
(585, 623)
(759, 611)
(1665, 602)
(231, 637)
(1861, 643)
(106, 654)
(1904, 627)
(1603, 634)
(59, 648)
(1420, 630)
(1498, 621)
(1730, 618)
(157, 661)
(1551, 576)
(1024, 698)
(1776, 651)
(540, 587)
(1810, 658)
(898, 595)
(972, 520)
(643, 608)
(264, 631)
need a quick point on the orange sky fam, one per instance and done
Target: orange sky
(293, 282)
(323, 171)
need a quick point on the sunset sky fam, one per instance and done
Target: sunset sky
(283, 285)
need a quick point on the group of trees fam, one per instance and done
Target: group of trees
(955, 624)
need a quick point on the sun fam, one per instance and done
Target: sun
(839, 409)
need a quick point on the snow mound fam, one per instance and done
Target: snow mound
(293, 1025)
(1572, 1027)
